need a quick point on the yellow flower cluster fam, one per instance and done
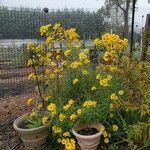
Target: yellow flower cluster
(56, 129)
(69, 144)
(71, 34)
(89, 103)
(66, 134)
(75, 64)
(52, 108)
(68, 105)
(106, 137)
(109, 56)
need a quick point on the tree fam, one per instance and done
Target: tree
(124, 6)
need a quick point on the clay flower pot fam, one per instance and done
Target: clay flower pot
(34, 138)
(87, 142)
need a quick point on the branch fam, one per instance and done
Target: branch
(117, 3)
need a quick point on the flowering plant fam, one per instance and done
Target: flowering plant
(72, 87)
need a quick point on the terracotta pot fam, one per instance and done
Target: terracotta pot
(87, 142)
(34, 138)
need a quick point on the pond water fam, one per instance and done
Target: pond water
(5, 43)
(15, 42)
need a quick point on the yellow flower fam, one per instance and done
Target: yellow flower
(56, 129)
(79, 111)
(111, 115)
(66, 134)
(56, 26)
(31, 76)
(121, 92)
(63, 141)
(52, 108)
(66, 107)
(82, 56)
(49, 54)
(75, 64)
(102, 128)
(33, 114)
(73, 117)
(104, 82)
(40, 106)
(44, 29)
(49, 40)
(105, 134)
(89, 103)
(52, 76)
(44, 120)
(64, 63)
(86, 51)
(71, 34)
(30, 62)
(30, 46)
(97, 41)
(71, 101)
(59, 140)
(62, 117)
(111, 106)
(46, 98)
(98, 77)
(30, 101)
(106, 140)
(109, 77)
(67, 52)
(53, 64)
(114, 127)
(113, 96)
(58, 57)
(93, 88)
(86, 61)
(107, 56)
(84, 72)
(75, 81)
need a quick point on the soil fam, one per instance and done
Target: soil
(88, 131)
(13, 106)
(23, 125)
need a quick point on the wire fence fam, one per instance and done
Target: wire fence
(17, 28)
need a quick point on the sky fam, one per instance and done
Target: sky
(143, 7)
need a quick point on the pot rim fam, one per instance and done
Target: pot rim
(87, 136)
(20, 119)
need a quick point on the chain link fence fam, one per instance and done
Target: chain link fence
(18, 26)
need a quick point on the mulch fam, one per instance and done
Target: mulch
(10, 108)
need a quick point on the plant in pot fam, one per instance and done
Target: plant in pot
(34, 126)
